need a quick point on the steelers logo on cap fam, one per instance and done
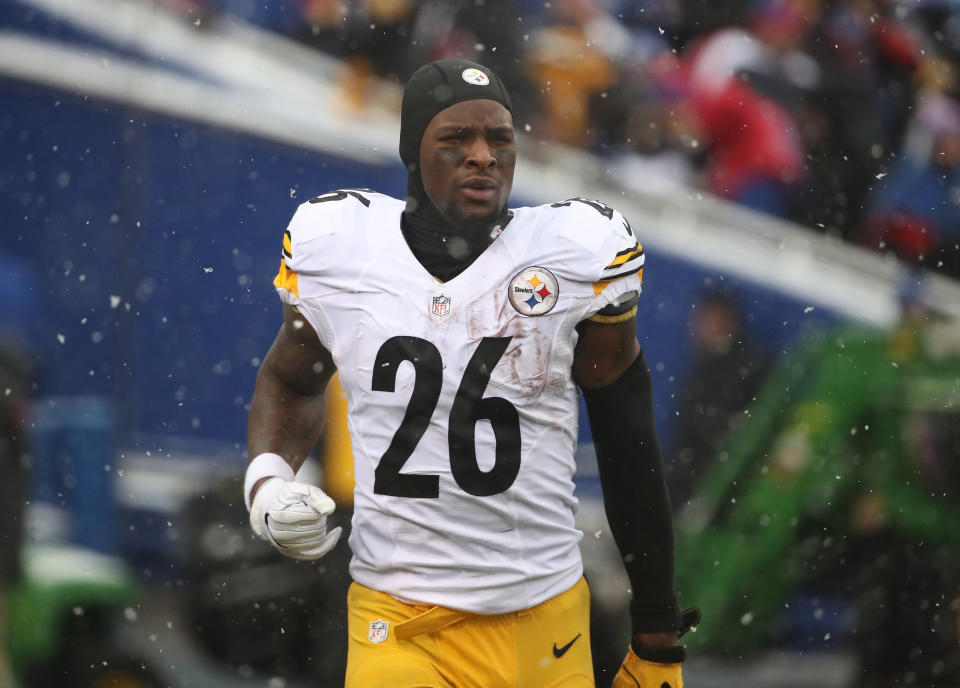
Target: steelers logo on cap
(533, 291)
(475, 76)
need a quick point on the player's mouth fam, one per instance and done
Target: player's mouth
(481, 189)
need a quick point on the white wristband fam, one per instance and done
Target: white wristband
(265, 466)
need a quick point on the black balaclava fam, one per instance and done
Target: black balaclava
(443, 248)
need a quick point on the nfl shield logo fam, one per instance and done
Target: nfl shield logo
(378, 631)
(441, 306)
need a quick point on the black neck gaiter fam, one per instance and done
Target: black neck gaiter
(444, 249)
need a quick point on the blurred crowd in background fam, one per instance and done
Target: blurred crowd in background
(841, 115)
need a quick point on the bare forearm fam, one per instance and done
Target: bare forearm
(283, 421)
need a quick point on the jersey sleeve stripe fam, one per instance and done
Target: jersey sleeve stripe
(287, 279)
(636, 246)
(625, 257)
(637, 269)
(600, 286)
(287, 244)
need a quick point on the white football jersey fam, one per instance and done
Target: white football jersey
(462, 408)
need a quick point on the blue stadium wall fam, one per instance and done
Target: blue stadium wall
(151, 244)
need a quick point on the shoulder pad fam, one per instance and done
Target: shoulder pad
(605, 234)
(318, 220)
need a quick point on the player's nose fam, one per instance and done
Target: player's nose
(479, 154)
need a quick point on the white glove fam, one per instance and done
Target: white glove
(292, 516)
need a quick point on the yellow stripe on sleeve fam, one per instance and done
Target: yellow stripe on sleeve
(286, 279)
(620, 260)
(602, 284)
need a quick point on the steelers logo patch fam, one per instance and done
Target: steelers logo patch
(534, 291)
(475, 76)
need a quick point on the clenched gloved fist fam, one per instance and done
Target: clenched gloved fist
(655, 667)
(292, 516)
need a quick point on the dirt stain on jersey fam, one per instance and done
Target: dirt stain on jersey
(527, 358)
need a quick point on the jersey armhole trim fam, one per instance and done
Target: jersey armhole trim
(613, 319)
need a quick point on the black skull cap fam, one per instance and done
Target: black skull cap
(435, 87)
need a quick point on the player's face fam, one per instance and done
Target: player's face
(467, 156)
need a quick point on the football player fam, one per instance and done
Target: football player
(462, 330)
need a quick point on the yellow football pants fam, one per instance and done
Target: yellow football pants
(398, 645)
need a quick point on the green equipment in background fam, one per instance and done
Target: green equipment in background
(64, 618)
(851, 449)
